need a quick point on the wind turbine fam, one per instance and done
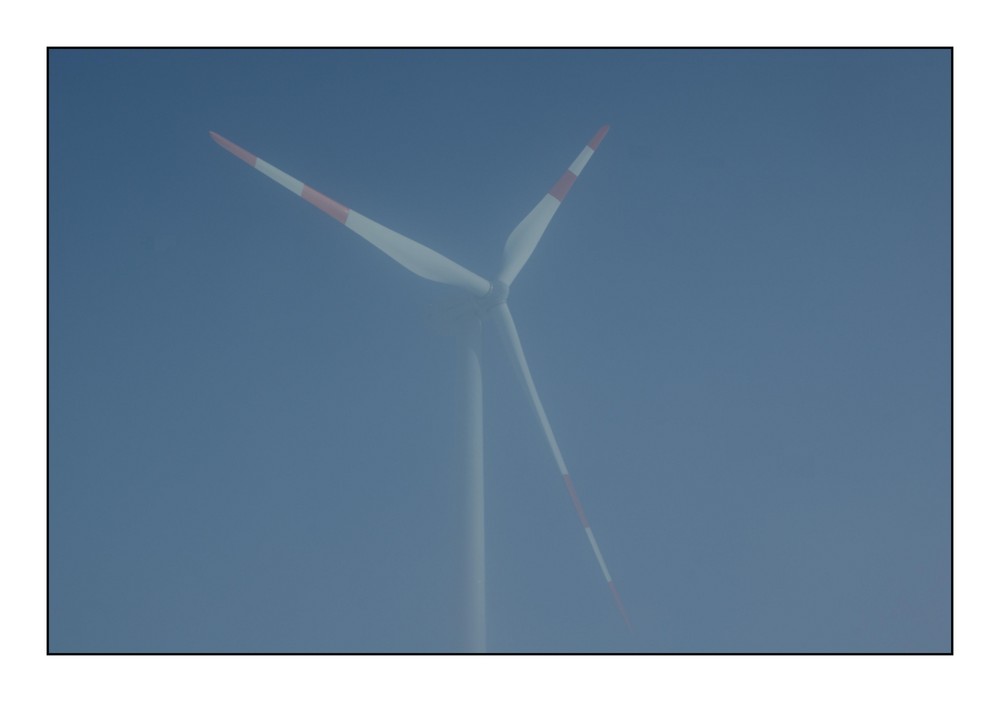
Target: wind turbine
(483, 299)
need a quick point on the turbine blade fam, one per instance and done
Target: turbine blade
(423, 261)
(525, 237)
(501, 313)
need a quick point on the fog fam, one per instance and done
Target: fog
(738, 322)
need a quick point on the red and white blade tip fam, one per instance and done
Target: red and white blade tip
(232, 148)
(596, 141)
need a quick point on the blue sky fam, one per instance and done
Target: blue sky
(739, 323)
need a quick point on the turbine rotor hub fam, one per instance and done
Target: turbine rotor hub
(497, 295)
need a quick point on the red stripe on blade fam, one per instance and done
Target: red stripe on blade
(576, 501)
(331, 207)
(596, 141)
(235, 150)
(562, 186)
(618, 601)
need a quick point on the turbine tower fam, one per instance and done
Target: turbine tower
(483, 299)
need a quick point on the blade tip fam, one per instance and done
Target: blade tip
(596, 141)
(232, 148)
(620, 605)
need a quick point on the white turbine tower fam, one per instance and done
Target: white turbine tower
(484, 299)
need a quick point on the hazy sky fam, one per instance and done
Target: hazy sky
(739, 323)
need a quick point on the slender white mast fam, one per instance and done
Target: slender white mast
(471, 339)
